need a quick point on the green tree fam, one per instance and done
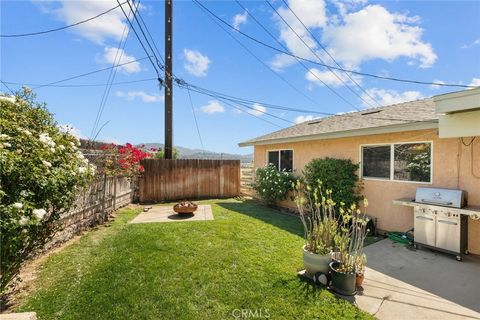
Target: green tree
(160, 154)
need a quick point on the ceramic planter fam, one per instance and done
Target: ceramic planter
(342, 282)
(315, 262)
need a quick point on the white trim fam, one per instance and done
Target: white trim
(392, 161)
(421, 125)
(279, 157)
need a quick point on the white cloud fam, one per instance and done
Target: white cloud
(239, 19)
(475, 82)
(473, 43)
(353, 35)
(303, 118)
(145, 97)
(388, 97)
(375, 33)
(110, 25)
(111, 56)
(312, 14)
(257, 110)
(434, 86)
(329, 78)
(213, 106)
(197, 64)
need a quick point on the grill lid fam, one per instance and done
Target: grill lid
(442, 197)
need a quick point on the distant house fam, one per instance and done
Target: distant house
(384, 141)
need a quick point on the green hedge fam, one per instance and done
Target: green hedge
(339, 175)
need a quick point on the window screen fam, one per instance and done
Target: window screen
(376, 161)
(412, 162)
(273, 158)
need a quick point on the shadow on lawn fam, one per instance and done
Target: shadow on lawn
(268, 215)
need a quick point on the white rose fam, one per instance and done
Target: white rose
(6, 144)
(23, 193)
(72, 144)
(3, 136)
(23, 221)
(39, 213)
(61, 147)
(82, 169)
(46, 163)
(17, 205)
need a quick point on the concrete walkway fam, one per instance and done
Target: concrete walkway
(401, 283)
(166, 214)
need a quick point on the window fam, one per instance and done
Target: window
(376, 161)
(399, 161)
(281, 159)
(412, 162)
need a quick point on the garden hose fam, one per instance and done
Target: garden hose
(400, 237)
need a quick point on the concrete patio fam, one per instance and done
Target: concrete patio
(166, 214)
(403, 283)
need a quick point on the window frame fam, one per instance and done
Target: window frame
(279, 157)
(392, 161)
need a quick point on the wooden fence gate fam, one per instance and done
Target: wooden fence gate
(165, 180)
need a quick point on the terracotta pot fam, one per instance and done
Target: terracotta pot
(342, 282)
(315, 262)
(359, 279)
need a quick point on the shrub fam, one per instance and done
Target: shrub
(41, 173)
(272, 185)
(123, 161)
(336, 174)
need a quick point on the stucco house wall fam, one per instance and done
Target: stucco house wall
(452, 168)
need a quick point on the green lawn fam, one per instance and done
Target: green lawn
(247, 258)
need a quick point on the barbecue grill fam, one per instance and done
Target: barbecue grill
(440, 219)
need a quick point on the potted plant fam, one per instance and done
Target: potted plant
(349, 249)
(319, 224)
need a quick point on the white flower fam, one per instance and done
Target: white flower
(17, 205)
(53, 150)
(80, 155)
(39, 213)
(28, 133)
(4, 136)
(23, 193)
(72, 144)
(9, 99)
(82, 169)
(44, 137)
(46, 163)
(61, 147)
(6, 144)
(74, 173)
(23, 221)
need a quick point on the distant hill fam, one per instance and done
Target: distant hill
(187, 153)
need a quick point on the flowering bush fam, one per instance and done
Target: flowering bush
(272, 185)
(123, 160)
(42, 171)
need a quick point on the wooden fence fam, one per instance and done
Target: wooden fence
(165, 180)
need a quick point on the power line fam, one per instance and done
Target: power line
(260, 61)
(79, 85)
(299, 61)
(330, 66)
(324, 49)
(6, 86)
(141, 43)
(61, 28)
(195, 118)
(89, 73)
(111, 76)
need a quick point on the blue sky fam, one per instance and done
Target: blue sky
(424, 40)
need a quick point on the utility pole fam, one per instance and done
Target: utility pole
(168, 80)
